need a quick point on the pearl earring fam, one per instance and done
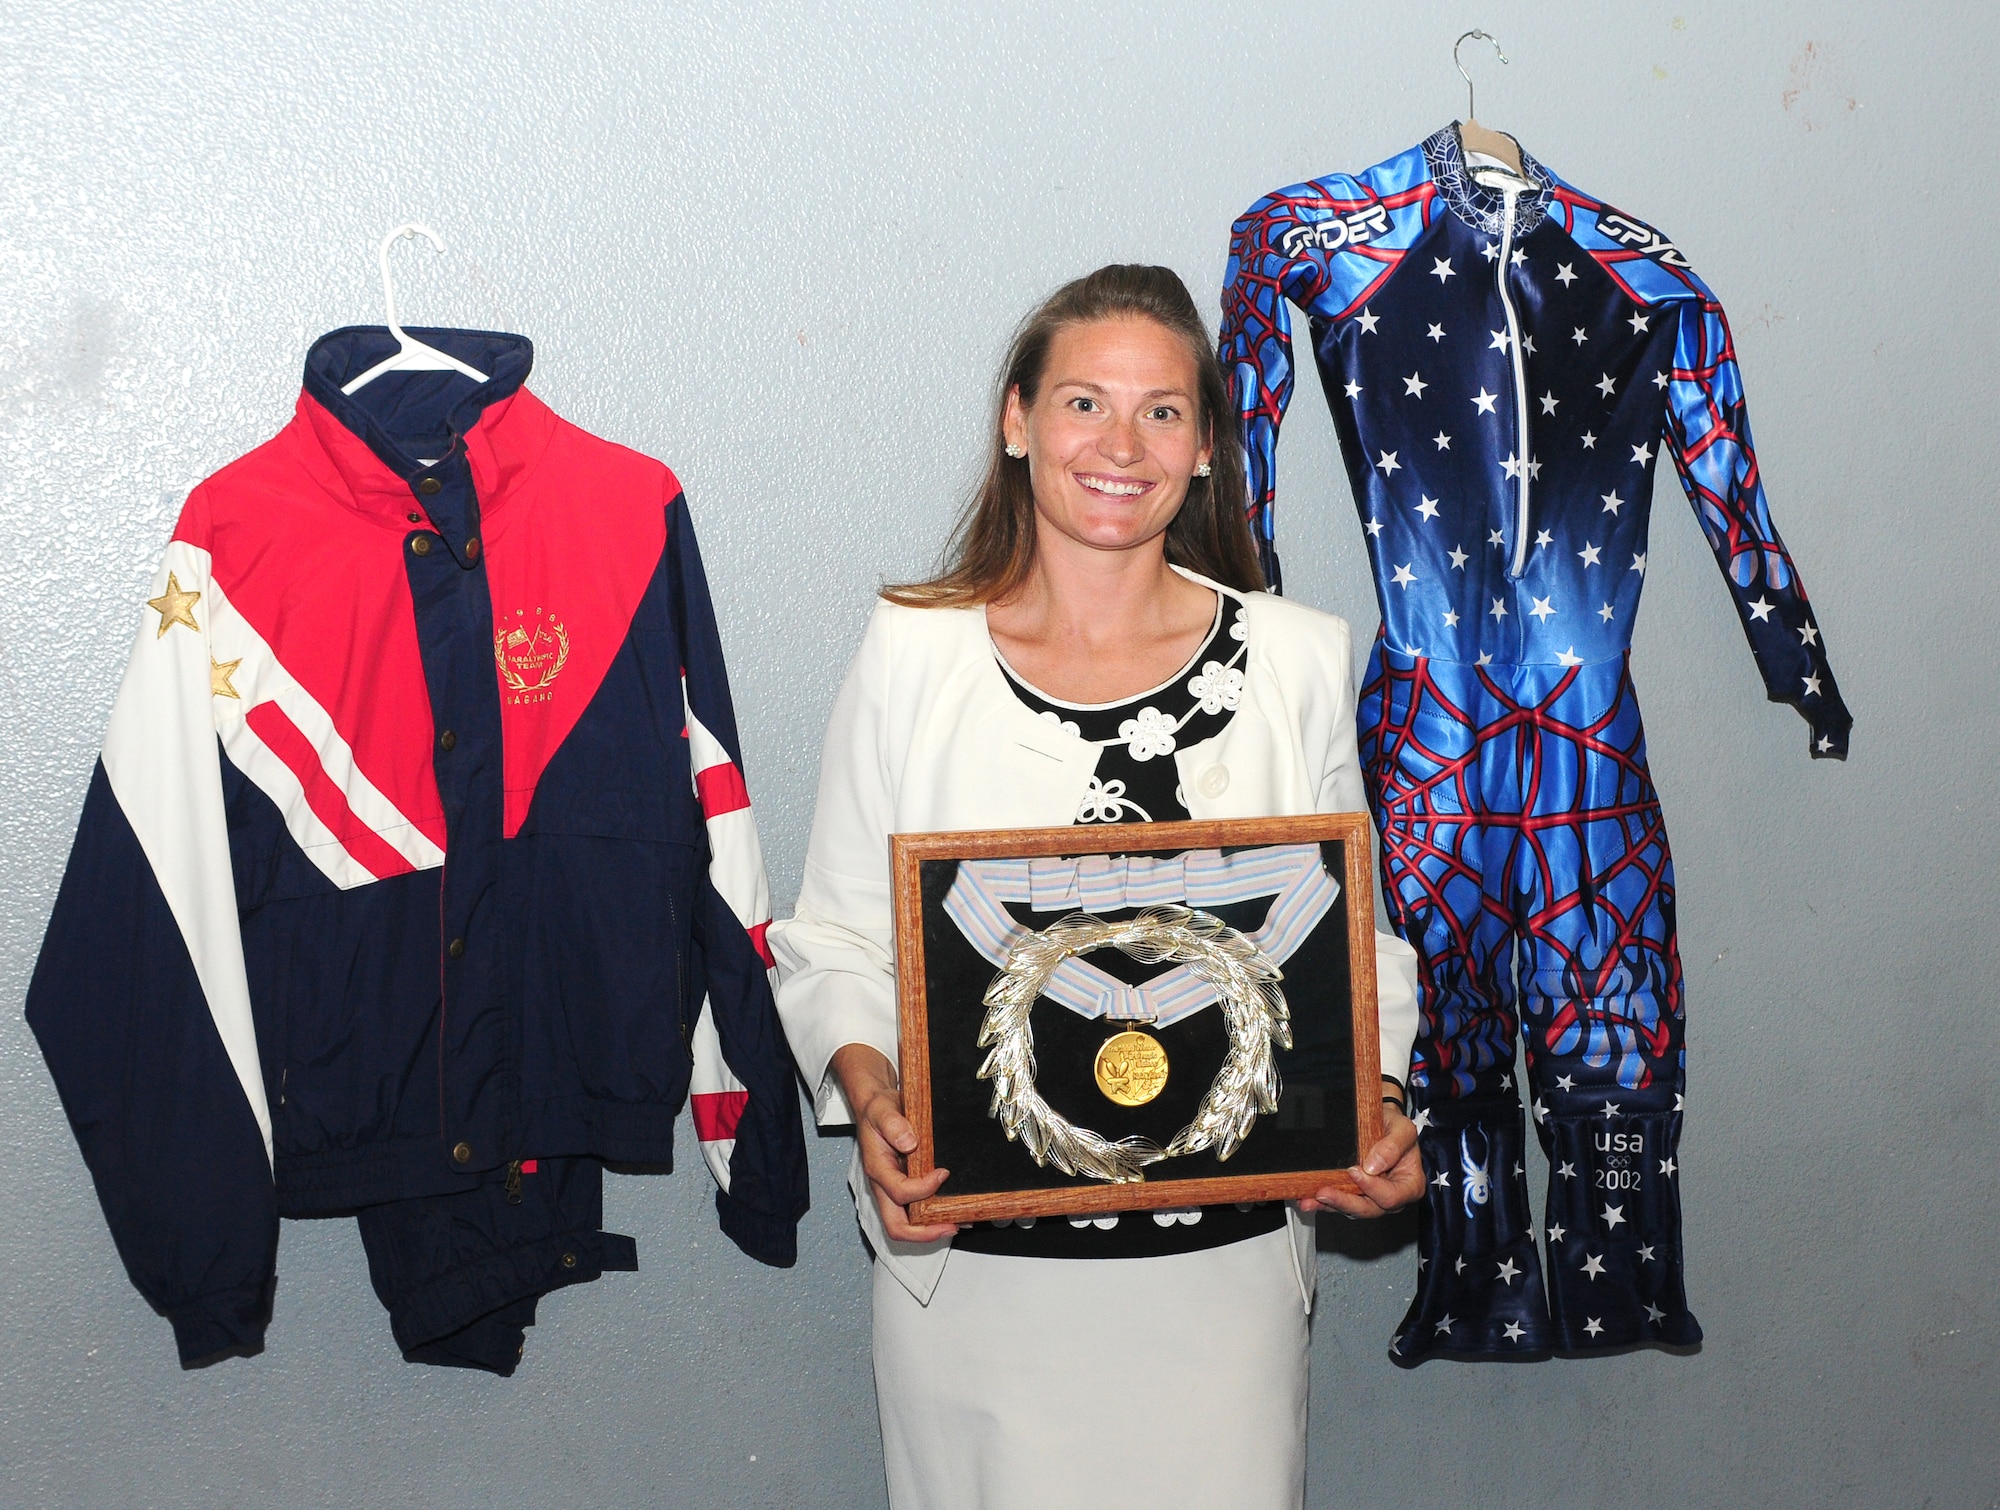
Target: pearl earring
(1202, 470)
(1017, 452)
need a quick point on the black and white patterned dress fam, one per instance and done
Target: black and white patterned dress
(1137, 781)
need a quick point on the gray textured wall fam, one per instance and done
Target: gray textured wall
(780, 246)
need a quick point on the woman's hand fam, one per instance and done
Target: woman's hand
(869, 1082)
(1390, 1177)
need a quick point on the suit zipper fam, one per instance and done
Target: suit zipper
(1519, 564)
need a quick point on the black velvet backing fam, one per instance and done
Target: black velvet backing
(1314, 1127)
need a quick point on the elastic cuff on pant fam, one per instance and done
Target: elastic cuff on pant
(456, 1300)
(494, 1343)
(228, 1321)
(769, 1239)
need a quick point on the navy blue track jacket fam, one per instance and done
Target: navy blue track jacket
(419, 846)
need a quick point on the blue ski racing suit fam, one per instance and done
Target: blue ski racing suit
(1506, 359)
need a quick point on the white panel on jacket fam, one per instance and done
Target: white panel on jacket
(161, 760)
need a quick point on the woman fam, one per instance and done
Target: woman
(1097, 651)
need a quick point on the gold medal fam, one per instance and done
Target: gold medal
(1131, 1068)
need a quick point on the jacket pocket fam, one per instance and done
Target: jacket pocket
(612, 813)
(606, 952)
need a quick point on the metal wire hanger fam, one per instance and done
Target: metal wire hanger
(1474, 137)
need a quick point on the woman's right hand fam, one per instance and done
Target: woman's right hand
(887, 1139)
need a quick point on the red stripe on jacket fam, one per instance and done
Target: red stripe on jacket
(716, 1113)
(328, 803)
(722, 790)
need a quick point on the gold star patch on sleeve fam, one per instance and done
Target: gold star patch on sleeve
(175, 607)
(219, 673)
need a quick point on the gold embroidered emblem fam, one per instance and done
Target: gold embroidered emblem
(530, 650)
(219, 673)
(175, 607)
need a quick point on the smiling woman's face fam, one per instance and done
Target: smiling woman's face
(1112, 438)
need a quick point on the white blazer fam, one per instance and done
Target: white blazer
(927, 736)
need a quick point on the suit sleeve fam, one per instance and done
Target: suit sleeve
(140, 1001)
(1325, 245)
(1256, 352)
(1708, 436)
(743, 1096)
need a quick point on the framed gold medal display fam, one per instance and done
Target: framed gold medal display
(1136, 1016)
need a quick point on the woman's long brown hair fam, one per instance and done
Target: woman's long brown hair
(992, 548)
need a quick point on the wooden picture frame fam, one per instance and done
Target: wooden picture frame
(924, 866)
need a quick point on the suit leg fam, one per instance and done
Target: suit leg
(1603, 1012)
(1424, 729)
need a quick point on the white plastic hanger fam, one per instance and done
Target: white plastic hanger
(411, 355)
(1480, 140)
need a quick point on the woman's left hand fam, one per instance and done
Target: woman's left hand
(1388, 1179)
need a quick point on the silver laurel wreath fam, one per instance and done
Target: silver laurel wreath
(1243, 1089)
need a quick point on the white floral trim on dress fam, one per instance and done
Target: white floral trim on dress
(1151, 733)
(1217, 687)
(1106, 802)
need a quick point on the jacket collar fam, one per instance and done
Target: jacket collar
(1002, 719)
(1474, 203)
(374, 447)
